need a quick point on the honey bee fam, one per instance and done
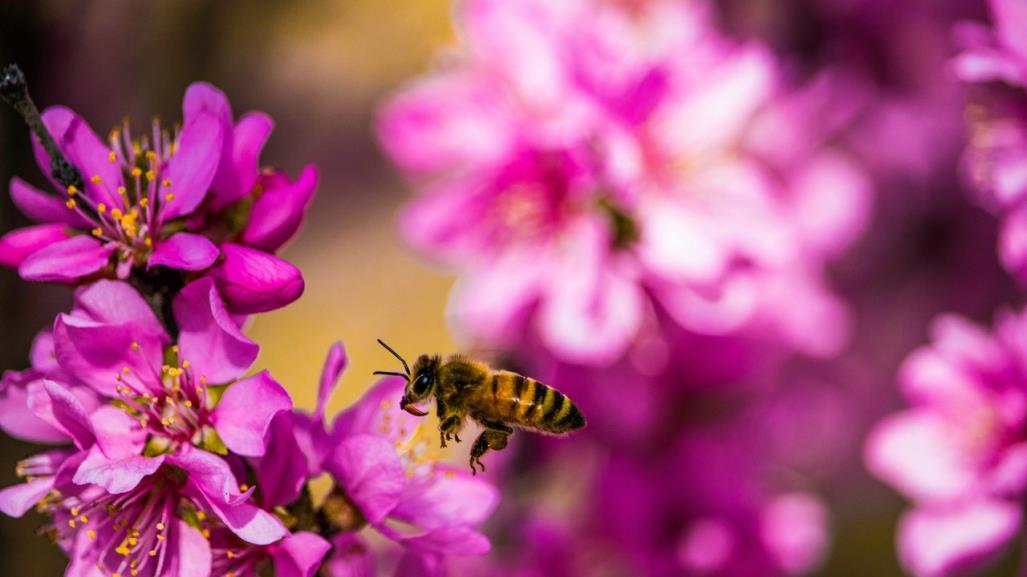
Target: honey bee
(497, 400)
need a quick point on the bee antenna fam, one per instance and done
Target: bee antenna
(392, 373)
(395, 354)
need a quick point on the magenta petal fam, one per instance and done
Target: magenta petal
(185, 251)
(278, 211)
(1013, 243)
(299, 555)
(313, 440)
(95, 353)
(16, 419)
(368, 469)
(115, 476)
(453, 498)
(381, 402)
(192, 168)
(210, 475)
(249, 522)
(118, 434)
(66, 260)
(191, 552)
(283, 469)
(17, 500)
(208, 336)
(947, 542)
(43, 207)
(252, 281)
(85, 151)
(416, 563)
(116, 302)
(18, 245)
(243, 416)
(460, 540)
(351, 558)
(335, 364)
(59, 407)
(239, 168)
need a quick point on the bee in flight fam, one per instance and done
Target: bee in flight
(497, 400)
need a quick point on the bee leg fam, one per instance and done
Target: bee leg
(449, 428)
(489, 439)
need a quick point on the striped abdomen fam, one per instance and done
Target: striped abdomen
(516, 399)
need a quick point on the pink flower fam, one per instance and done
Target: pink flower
(166, 200)
(960, 451)
(385, 465)
(994, 64)
(609, 180)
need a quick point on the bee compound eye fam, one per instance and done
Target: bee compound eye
(421, 384)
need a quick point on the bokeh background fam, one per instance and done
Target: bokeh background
(320, 67)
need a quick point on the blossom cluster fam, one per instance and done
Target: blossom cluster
(169, 456)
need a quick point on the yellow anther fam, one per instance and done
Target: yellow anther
(203, 379)
(160, 526)
(74, 511)
(166, 182)
(185, 364)
(206, 535)
(230, 554)
(95, 179)
(244, 487)
(148, 242)
(122, 190)
(71, 203)
(151, 175)
(116, 213)
(137, 172)
(152, 553)
(115, 574)
(135, 346)
(144, 202)
(151, 155)
(101, 208)
(72, 190)
(97, 231)
(134, 572)
(188, 404)
(125, 370)
(91, 533)
(71, 523)
(169, 197)
(112, 156)
(201, 515)
(83, 518)
(175, 348)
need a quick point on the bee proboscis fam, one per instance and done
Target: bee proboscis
(498, 400)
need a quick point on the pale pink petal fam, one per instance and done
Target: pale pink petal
(192, 553)
(451, 498)
(460, 541)
(115, 476)
(831, 202)
(795, 529)
(939, 543)
(17, 500)
(60, 408)
(1011, 20)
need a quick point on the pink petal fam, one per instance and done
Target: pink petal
(939, 543)
(42, 206)
(917, 453)
(118, 434)
(252, 281)
(831, 200)
(416, 563)
(1013, 243)
(210, 475)
(460, 541)
(208, 336)
(192, 168)
(243, 416)
(116, 303)
(1008, 476)
(57, 406)
(380, 403)
(85, 151)
(368, 469)
(191, 552)
(335, 364)
(184, 251)
(240, 167)
(18, 245)
(17, 420)
(116, 476)
(795, 529)
(351, 558)
(66, 260)
(96, 353)
(1011, 20)
(249, 522)
(452, 498)
(17, 500)
(299, 555)
(312, 440)
(284, 468)
(279, 210)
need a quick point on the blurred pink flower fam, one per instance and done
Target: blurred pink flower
(960, 451)
(994, 64)
(581, 178)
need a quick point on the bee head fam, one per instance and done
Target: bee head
(421, 385)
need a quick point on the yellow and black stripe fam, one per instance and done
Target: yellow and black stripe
(534, 405)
